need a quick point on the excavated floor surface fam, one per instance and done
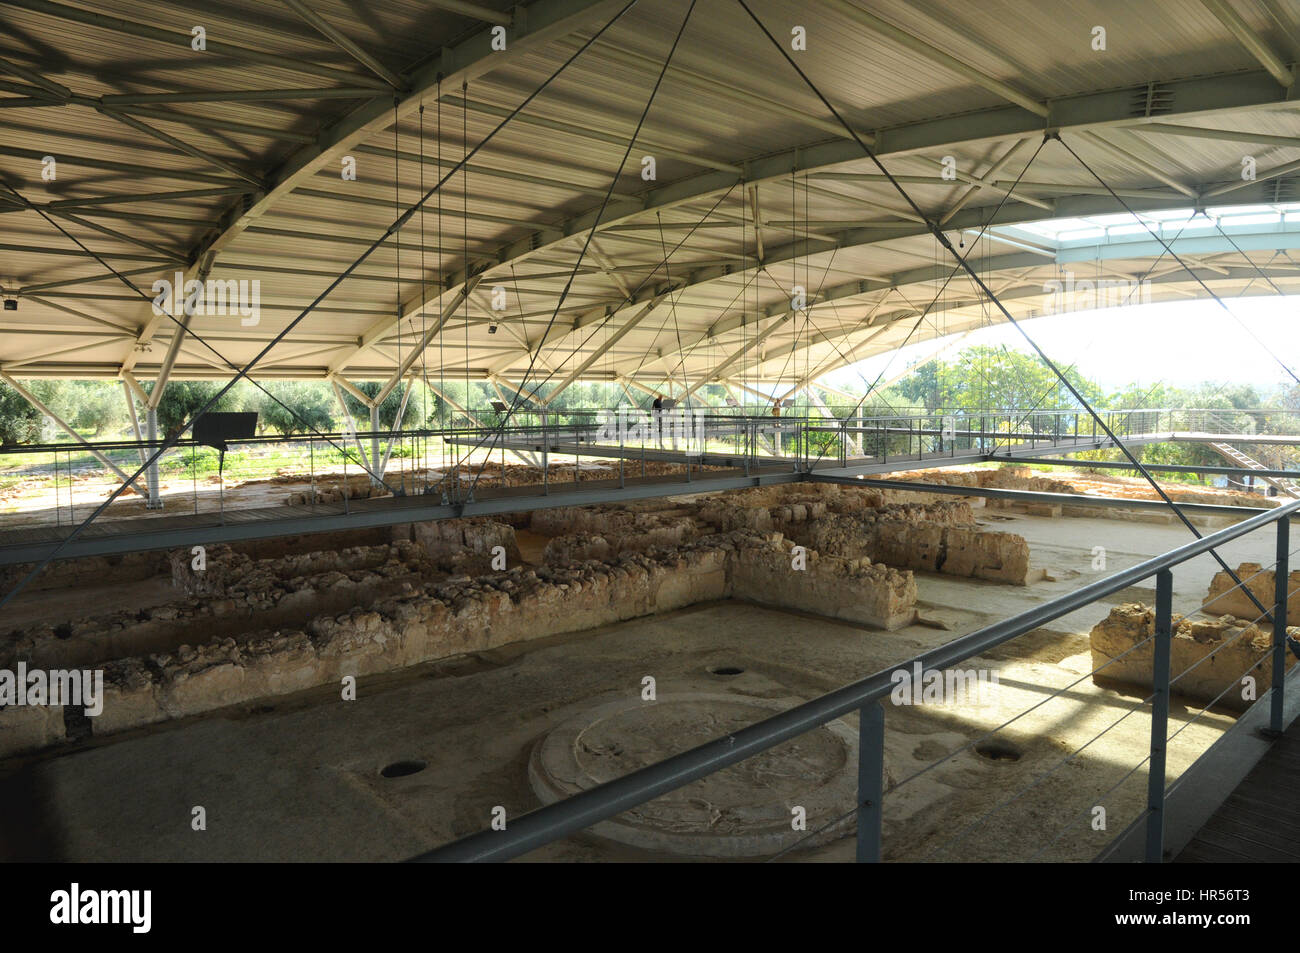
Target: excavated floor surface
(301, 777)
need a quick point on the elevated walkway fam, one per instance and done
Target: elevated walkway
(1259, 822)
(725, 452)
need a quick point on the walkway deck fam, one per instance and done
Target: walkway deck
(1260, 821)
(162, 530)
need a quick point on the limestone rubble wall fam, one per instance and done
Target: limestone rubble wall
(464, 544)
(1001, 478)
(1022, 478)
(460, 616)
(89, 571)
(1225, 597)
(1208, 658)
(952, 550)
(433, 620)
(121, 568)
(940, 535)
(254, 624)
(359, 489)
(221, 599)
(852, 589)
(617, 539)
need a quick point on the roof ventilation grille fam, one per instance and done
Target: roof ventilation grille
(1153, 99)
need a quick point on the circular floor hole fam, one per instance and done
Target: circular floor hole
(995, 749)
(726, 671)
(401, 769)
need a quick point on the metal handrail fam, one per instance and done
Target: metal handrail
(724, 440)
(524, 423)
(582, 810)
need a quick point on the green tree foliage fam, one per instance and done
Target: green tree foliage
(928, 386)
(181, 400)
(991, 378)
(387, 410)
(1133, 396)
(94, 408)
(299, 407)
(20, 422)
(1228, 403)
(980, 378)
(472, 395)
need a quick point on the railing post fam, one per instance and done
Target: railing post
(871, 773)
(1159, 717)
(546, 459)
(1281, 573)
(153, 484)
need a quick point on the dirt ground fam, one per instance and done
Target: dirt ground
(38, 501)
(300, 777)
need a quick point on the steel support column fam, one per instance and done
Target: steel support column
(1162, 639)
(348, 424)
(374, 444)
(1281, 611)
(392, 434)
(135, 418)
(871, 771)
(151, 475)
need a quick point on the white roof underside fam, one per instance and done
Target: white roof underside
(1164, 116)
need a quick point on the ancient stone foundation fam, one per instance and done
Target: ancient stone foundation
(1023, 478)
(1227, 598)
(935, 535)
(1208, 658)
(265, 619)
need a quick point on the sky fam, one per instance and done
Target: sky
(1182, 343)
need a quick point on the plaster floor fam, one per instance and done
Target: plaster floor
(298, 777)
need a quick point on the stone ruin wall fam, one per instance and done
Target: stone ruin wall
(1209, 656)
(935, 535)
(1023, 478)
(419, 623)
(335, 488)
(1226, 597)
(268, 620)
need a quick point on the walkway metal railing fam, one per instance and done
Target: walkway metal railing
(866, 698)
(447, 460)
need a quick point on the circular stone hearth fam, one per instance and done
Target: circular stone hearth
(741, 811)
